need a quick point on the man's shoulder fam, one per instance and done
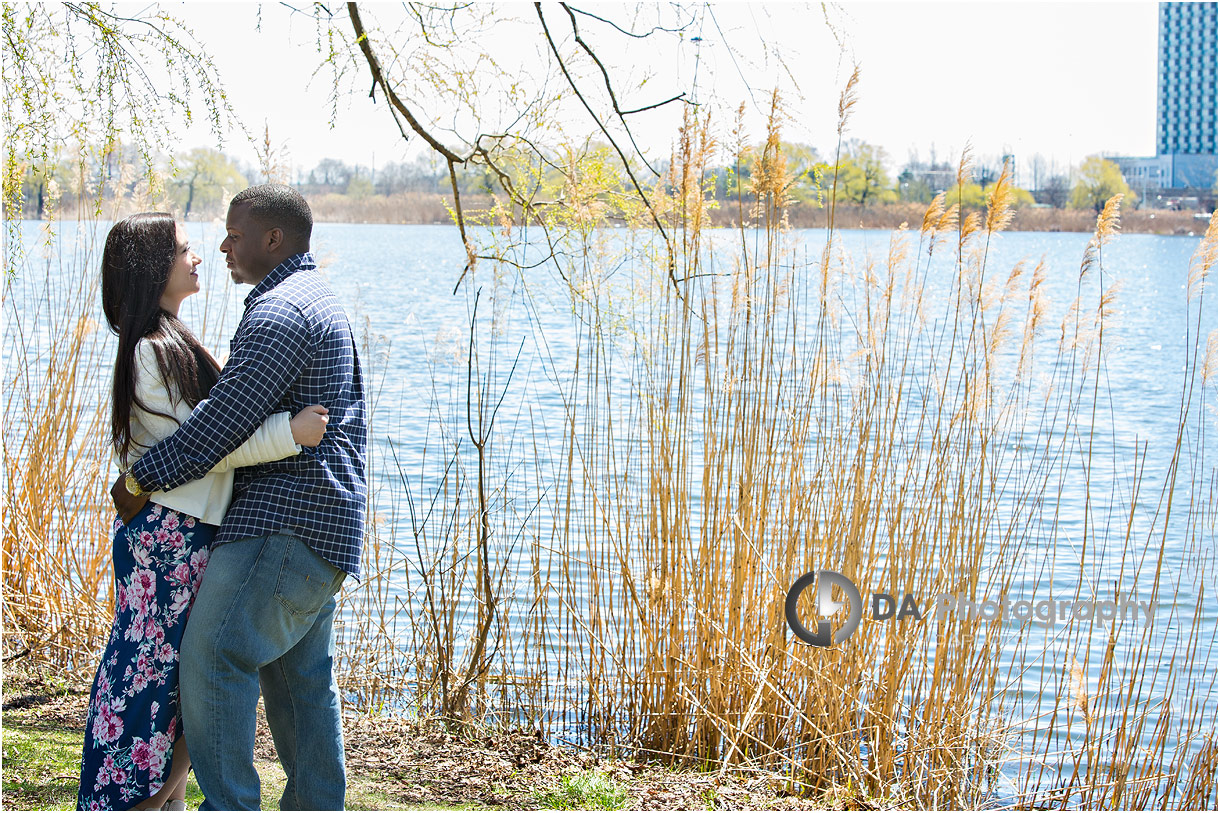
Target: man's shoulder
(303, 301)
(300, 288)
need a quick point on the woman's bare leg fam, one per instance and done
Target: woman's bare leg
(175, 783)
(179, 791)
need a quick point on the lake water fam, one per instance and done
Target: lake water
(397, 283)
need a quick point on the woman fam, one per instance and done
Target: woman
(135, 756)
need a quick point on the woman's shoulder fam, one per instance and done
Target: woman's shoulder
(146, 357)
(147, 369)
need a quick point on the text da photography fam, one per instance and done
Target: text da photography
(839, 608)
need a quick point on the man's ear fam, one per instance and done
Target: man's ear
(274, 239)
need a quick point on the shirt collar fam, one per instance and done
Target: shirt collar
(299, 262)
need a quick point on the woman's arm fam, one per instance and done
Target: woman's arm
(273, 440)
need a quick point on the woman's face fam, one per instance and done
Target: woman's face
(183, 279)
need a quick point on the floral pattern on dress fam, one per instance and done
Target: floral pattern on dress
(159, 560)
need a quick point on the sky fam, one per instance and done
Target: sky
(1062, 79)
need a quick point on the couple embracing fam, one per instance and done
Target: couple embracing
(241, 503)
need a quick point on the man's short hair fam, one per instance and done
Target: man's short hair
(278, 206)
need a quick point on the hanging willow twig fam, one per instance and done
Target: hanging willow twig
(482, 149)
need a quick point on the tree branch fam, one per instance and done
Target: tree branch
(481, 149)
(632, 34)
(623, 158)
(362, 39)
(610, 89)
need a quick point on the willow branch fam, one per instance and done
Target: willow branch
(632, 34)
(366, 48)
(478, 150)
(461, 222)
(610, 89)
(613, 143)
(597, 120)
(648, 107)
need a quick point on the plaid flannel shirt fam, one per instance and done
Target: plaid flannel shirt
(293, 348)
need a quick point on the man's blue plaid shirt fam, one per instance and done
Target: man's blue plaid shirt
(293, 348)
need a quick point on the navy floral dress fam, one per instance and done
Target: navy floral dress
(159, 560)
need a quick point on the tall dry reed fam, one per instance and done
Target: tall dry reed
(56, 532)
(754, 413)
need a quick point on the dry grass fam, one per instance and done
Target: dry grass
(56, 534)
(404, 207)
(421, 208)
(893, 215)
(773, 415)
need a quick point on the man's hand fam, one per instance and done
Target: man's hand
(127, 504)
(309, 425)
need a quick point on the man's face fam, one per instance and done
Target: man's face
(245, 246)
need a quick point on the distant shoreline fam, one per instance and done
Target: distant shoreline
(431, 210)
(419, 209)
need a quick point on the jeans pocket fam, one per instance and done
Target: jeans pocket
(306, 580)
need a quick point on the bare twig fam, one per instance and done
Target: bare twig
(613, 143)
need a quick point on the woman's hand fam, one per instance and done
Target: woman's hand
(127, 504)
(309, 425)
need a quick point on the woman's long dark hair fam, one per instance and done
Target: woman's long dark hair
(140, 251)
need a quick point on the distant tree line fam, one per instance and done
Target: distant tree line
(425, 174)
(197, 184)
(861, 179)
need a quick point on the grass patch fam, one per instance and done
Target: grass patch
(584, 791)
(364, 792)
(42, 768)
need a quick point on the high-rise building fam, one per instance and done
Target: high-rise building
(1185, 161)
(1186, 84)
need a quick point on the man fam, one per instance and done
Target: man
(264, 614)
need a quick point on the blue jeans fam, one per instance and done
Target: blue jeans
(264, 615)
